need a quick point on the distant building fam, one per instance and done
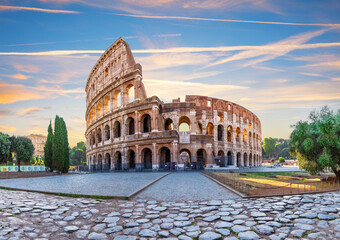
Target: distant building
(38, 143)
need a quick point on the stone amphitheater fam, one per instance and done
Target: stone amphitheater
(127, 130)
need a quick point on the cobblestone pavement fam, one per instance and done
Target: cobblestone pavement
(185, 186)
(111, 184)
(26, 215)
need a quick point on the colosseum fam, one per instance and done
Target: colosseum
(127, 130)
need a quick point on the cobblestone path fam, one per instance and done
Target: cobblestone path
(26, 215)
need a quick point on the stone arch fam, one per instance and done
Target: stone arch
(100, 163)
(131, 159)
(220, 133)
(107, 165)
(130, 93)
(117, 99)
(185, 156)
(99, 109)
(165, 158)
(107, 132)
(238, 159)
(106, 104)
(200, 128)
(238, 134)
(250, 139)
(245, 160)
(99, 135)
(92, 139)
(116, 129)
(230, 160)
(220, 117)
(94, 163)
(168, 124)
(118, 161)
(147, 158)
(146, 123)
(184, 124)
(244, 135)
(93, 114)
(210, 129)
(221, 157)
(130, 126)
(251, 163)
(230, 133)
(201, 158)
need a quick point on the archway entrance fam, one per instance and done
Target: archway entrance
(147, 159)
(185, 156)
(165, 158)
(201, 159)
(230, 159)
(245, 160)
(239, 163)
(251, 164)
(118, 160)
(221, 159)
(100, 162)
(131, 159)
(107, 165)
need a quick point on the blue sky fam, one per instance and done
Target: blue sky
(279, 59)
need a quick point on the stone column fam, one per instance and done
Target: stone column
(155, 160)
(138, 159)
(137, 125)
(111, 102)
(154, 119)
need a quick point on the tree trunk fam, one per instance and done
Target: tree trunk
(19, 166)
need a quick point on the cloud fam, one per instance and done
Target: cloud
(333, 65)
(7, 129)
(19, 76)
(29, 111)
(311, 74)
(10, 93)
(27, 68)
(5, 113)
(16, 8)
(335, 25)
(168, 35)
(53, 53)
(27, 44)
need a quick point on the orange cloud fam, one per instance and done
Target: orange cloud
(28, 68)
(15, 8)
(28, 111)
(8, 129)
(19, 76)
(10, 93)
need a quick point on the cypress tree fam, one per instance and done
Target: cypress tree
(65, 148)
(57, 154)
(48, 149)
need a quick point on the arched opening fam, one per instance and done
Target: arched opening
(239, 163)
(238, 134)
(200, 128)
(251, 164)
(94, 164)
(99, 109)
(131, 159)
(165, 158)
(221, 159)
(131, 93)
(89, 119)
(106, 105)
(116, 129)
(93, 139)
(117, 99)
(185, 156)
(93, 114)
(99, 135)
(249, 126)
(130, 126)
(107, 132)
(245, 136)
(256, 163)
(168, 125)
(118, 161)
(230, 158)
(245, 160)
(184, 124)
(250, 139)
(147, 158)
(210, 129)
(220, 131)
(230, 133)
(146, 121)
(220, 117)
(100, 163)
(107, 162)
(201, 158)
(254, 141)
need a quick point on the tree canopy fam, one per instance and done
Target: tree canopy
(316, 142)
(24, 150)
(48, 149)
(269, 146)
(5, 147)
(78, 154)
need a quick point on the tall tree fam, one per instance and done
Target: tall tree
(5, 147)
(57, 146)
(65, 148)
(316, 143)
(24, 150)
(48, 149)
(269, 146)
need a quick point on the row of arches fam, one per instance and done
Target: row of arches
(111, 102)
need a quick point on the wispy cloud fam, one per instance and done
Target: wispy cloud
(27, 68)
(19, 76)
(7, 129)
(19, 8)
(337, 25)
(5, 113)
(168, 35)
(26, 44)
(29, 111)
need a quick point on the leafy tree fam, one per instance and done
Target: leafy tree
(269, 146)
(24, 150)
(57, 146)
(281, 160)
(78, 154)
(316, 143)
(5, 147)
(48, 149)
